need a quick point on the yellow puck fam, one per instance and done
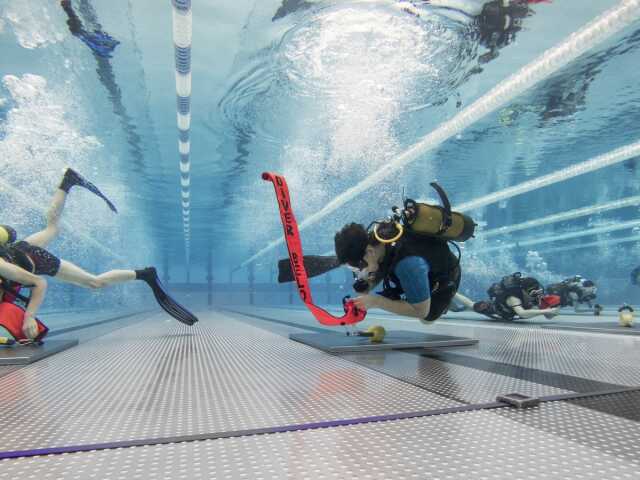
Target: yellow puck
(378, 333)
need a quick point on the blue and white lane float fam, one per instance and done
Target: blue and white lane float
(182, 34)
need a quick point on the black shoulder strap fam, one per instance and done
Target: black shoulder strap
(11, 292)
(447, 219)
(5, 254)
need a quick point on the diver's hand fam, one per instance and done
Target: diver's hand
(29, 326)
(551, 312)
(366, 302)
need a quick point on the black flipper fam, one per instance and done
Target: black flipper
(314, 265)
(71, 178)
(168, 304)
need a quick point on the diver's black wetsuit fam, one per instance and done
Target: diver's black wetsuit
(31, 258)
(43, 262)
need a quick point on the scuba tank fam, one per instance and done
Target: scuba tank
(423, 219)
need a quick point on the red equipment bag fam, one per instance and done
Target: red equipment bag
(12, 318)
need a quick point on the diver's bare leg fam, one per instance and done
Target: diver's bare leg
(43, 237)
(71, 273)
(467, 302)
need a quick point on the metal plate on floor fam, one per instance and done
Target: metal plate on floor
(574, 443)
(26, 354)
(393, 340)
(598, 327)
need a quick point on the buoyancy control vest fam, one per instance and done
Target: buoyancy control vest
(444, 270)
(12, 319)
(10, 292)
(10, 288)
(11, 314)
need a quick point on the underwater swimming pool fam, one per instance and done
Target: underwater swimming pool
(506, 134)
(326, 93)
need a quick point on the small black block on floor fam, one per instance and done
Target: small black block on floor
(394, 340)
(24, 355)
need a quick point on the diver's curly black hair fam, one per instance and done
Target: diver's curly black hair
(529, 283)
(351, 243)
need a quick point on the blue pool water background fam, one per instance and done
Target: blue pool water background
(325, 95)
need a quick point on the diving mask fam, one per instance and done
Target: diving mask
(361, 272)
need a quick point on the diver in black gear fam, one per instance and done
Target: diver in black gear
(513, 297)
(26, 261)
(498, 24)
(408, 252)
(420, 275)
(574, 292)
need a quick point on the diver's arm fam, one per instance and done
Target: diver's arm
(17, 274)
(413, 273)
(399, 307)
(514, 303)
(466, 301)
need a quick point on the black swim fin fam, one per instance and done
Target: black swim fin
(71, 178)
(314, 265)
(101, 43)
(168, 304)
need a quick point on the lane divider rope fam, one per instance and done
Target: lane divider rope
(182, 35)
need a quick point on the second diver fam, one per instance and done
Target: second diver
(26, 263)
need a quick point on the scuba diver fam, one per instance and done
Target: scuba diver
(574, 292)
(24, 262)
(420, 275)
(408, 252)
(514, 297)
(497, 21)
